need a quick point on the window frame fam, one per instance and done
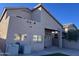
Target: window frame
(21, 37)
(37, 39)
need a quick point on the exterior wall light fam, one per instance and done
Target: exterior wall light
(53, 32)
(56, 32)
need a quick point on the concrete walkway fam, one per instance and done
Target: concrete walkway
(56, 50)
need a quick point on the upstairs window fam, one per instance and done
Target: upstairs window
(19, 16)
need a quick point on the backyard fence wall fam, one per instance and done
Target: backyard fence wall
(70, 44)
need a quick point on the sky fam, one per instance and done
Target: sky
(65, 13)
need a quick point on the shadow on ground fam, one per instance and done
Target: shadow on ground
(56, 54)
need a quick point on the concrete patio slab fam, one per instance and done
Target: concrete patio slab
(70, 52)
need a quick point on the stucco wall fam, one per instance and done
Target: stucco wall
(36, 15)
(24, 13)
(17, 26)
(4, 26)
(49, 22)
(20, 25)
(3, 31)
(37, 29)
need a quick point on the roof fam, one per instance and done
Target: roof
(35, 8)
(14, 8)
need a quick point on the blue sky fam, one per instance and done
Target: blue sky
(64, 13)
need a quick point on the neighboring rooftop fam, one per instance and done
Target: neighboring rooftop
(69, 25)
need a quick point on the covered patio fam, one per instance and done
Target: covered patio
(52, 38)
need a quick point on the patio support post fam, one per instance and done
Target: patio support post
(60, 39)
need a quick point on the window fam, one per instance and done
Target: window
(34, 22)
(19, 16)
(37, 38)
(17, 37)
(23, 36)
(20, 37)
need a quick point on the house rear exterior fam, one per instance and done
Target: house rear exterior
(25, 30)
